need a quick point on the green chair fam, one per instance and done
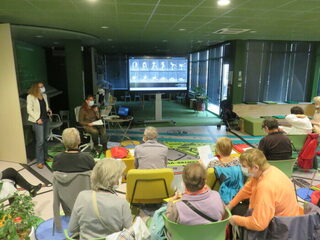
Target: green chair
(297, 141)
(215, 230)
(66, 234)
(286, 166)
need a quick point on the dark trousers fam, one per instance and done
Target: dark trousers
(13, 175)
(96, 132)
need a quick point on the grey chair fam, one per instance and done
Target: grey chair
(55, 122)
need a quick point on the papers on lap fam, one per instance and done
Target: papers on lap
(97, 123)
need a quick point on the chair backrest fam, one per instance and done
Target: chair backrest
(64, 114)
(65, 192)
(149, 185)
(76, 112)
(215, 230)
(212, 180)
(304, 226)
(297, 141)
(286, 166)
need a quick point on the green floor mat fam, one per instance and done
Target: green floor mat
(187, 147)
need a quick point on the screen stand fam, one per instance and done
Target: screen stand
(158, 111)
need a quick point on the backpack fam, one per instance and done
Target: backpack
(119, 152)
(307, 153)
(156, 228)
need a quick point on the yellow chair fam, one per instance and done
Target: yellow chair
(215, 230)
(212, 181)
(286, 166)
(149, 185)
(128, 161)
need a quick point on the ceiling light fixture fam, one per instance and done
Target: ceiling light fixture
(92, 1)
(104, 27)
(39, 36)
(182, 29)
(109, 40)
(164, 40)
(223, 2)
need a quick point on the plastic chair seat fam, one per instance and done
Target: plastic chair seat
(215, 230)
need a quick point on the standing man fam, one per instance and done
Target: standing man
(150, 154)
(276, 145)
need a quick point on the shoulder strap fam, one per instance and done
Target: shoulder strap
(95, 207)
(198, 212)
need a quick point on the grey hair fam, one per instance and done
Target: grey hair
(71, 138)
(151, 133)
(106, 173)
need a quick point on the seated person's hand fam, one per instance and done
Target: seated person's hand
(231, 221)
(90, 124)
(229, 207)
(200, 161)
(176, 196)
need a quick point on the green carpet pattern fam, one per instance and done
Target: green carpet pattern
(187, 147)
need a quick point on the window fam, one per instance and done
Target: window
(279, 70)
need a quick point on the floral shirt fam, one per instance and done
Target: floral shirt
(217, 163)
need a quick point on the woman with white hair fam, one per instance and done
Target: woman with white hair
(100, 212)
(150, 154)
(72, 159)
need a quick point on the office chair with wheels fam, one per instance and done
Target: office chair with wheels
(64, 114)
(55, 122)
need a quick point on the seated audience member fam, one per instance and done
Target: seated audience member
(14, 176)
(223, 151)
(72, 159)
(88, 114)
(150, 154)
(316, 117)
(300, 123)
(270, 193)
(276, 145)
(100, 212)
(227, 170)
(197, 197)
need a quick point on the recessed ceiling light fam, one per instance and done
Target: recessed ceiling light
(92, 1)
(223, 2)
(182, 29)
(104, 27)
(164, 40)
(200, 41)
(39, 36)
(109, 40)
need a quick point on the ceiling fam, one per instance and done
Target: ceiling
(158, 26)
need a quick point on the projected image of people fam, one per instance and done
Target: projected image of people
(157, 74)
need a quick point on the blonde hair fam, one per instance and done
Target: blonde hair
(151, 133)
(254, 157)
(71, 138)
(224, 146)
(34, 90)
(106, 173)
(194, 176)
